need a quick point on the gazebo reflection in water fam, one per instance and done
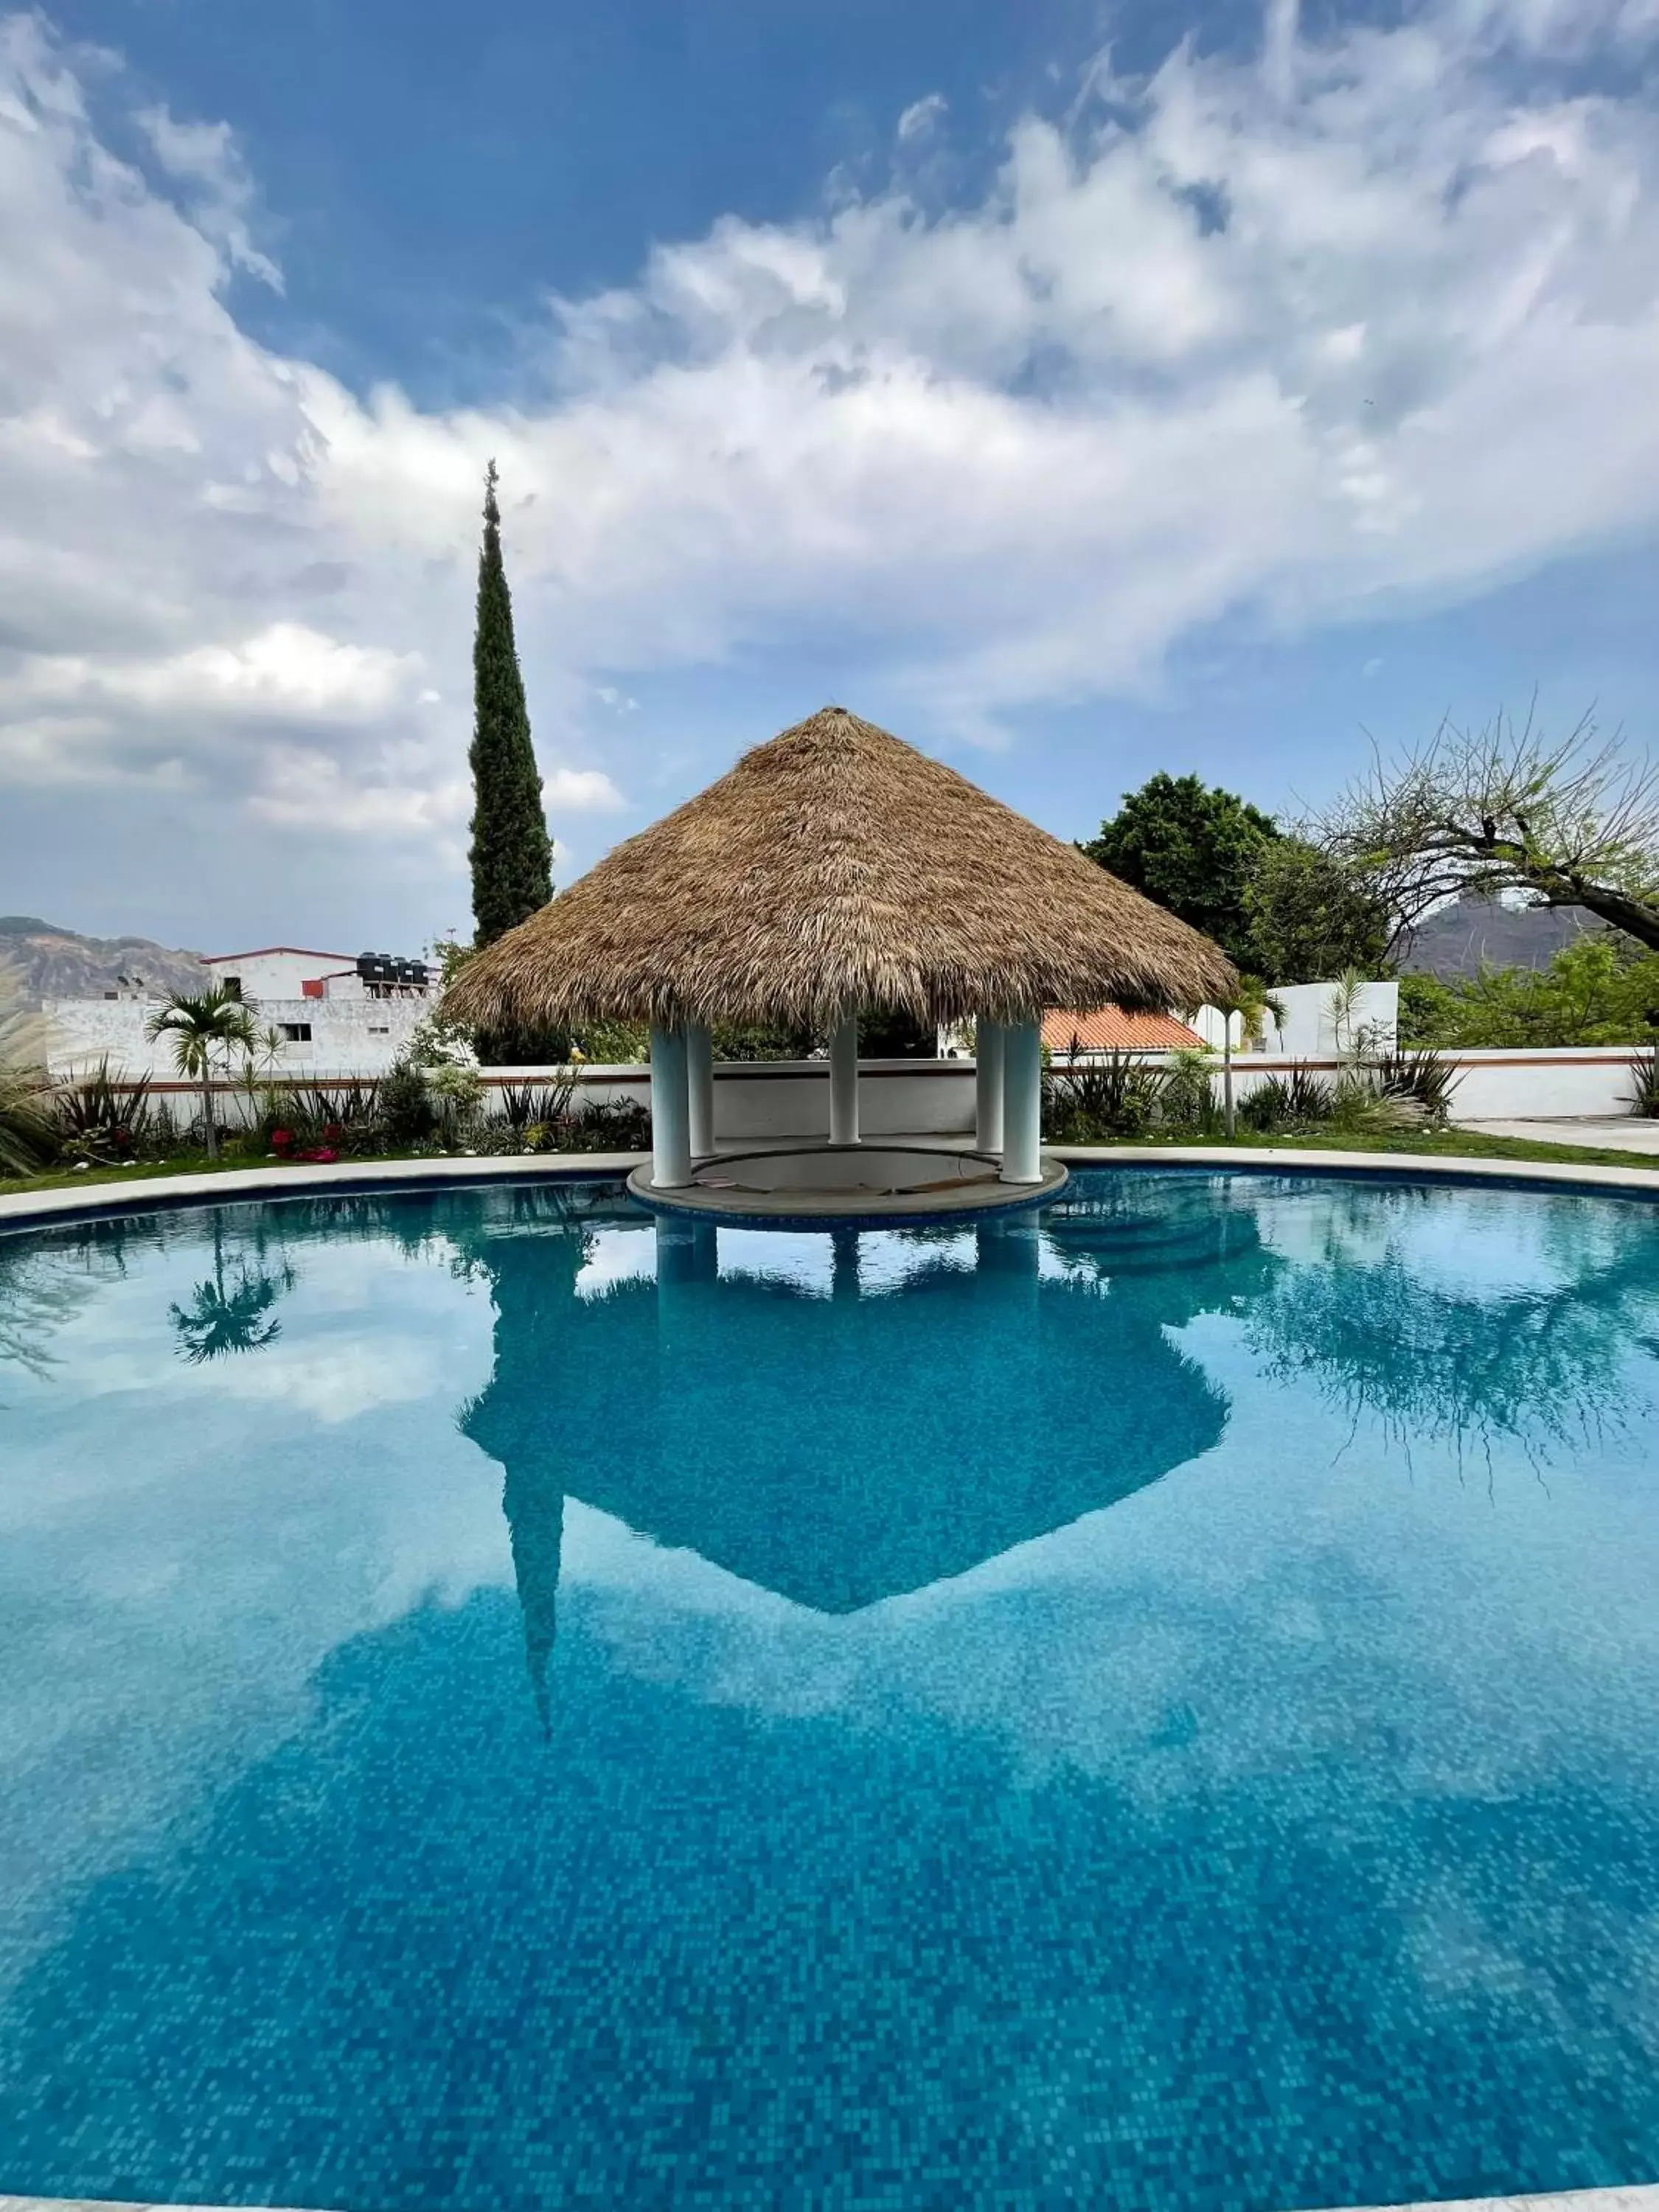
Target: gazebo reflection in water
(838, 1418)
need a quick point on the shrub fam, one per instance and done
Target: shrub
(1312, 1099)
(28, 1138)
(615, 1125)
(1117, 1096)
(761, 1041)
(99, 1117)
(616, 1044)
(1425, 1078)
(527, 1105)
(1300, 1099)
(1267, 1106)
(1188, 1100)
(348, 1108)
(456, 1094)
(407, 1115)
(1644, 1083)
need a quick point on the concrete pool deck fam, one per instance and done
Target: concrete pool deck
(1623, 1133)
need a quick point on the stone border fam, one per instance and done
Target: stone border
(165, 1194)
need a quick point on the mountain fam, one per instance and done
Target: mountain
(62, 964)
(1455, 939)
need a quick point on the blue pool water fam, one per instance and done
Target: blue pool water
(501, 1705)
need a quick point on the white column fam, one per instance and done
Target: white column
(844, 1082)
(671, 1111)
(700, 1083)
(1022, 1102)
(988, 1085)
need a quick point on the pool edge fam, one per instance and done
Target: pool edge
(167, 1194)
(347, 1178)
(1381, 1167)
(1636, 2197)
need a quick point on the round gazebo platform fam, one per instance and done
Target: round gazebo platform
(835, 874)
(883, 1181)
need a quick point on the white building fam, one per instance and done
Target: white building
(278, 971)
(331, 1013)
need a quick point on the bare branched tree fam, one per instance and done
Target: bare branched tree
(1573, 822)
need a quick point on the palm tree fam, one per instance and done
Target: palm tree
(1252, 1001)
(218, 1320)
(206, 1027)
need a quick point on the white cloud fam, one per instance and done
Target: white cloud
(923, 115)
(1359, 323)
(287, 672)
(204, 157)
(582, 791)
(302, 787)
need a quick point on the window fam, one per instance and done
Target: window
(297, 1032)
(233, 987)
(111, 994)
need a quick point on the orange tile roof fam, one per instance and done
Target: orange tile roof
(1110, 1029)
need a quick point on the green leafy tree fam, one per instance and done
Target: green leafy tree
(1570, 821)
(511, 856)
(1192, 848)
(205, 1028)
(439, 1040)
(1310, 914)
(1601, 990)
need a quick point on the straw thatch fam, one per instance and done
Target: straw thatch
(837, 870)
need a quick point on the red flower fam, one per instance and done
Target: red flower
(333, 1132)
(280, 1140)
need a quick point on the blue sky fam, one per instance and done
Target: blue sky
(1078, 390)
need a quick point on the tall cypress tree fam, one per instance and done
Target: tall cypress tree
(511, 853)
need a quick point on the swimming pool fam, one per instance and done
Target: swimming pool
(504, 1704)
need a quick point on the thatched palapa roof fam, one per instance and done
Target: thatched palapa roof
(836, 870)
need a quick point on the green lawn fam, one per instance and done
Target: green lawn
(1425, 1143)
(194, 1163)
(1445, 1144)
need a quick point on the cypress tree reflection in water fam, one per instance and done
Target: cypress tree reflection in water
(835, 1433)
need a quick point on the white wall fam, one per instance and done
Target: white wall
(755, 1099)
(1495, 1086)
(1310, 1028)
(348, 1036)
(791, 1098)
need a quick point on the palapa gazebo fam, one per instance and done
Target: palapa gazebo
(835, 872)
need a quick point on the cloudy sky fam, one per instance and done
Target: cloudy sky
(1075, 397)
